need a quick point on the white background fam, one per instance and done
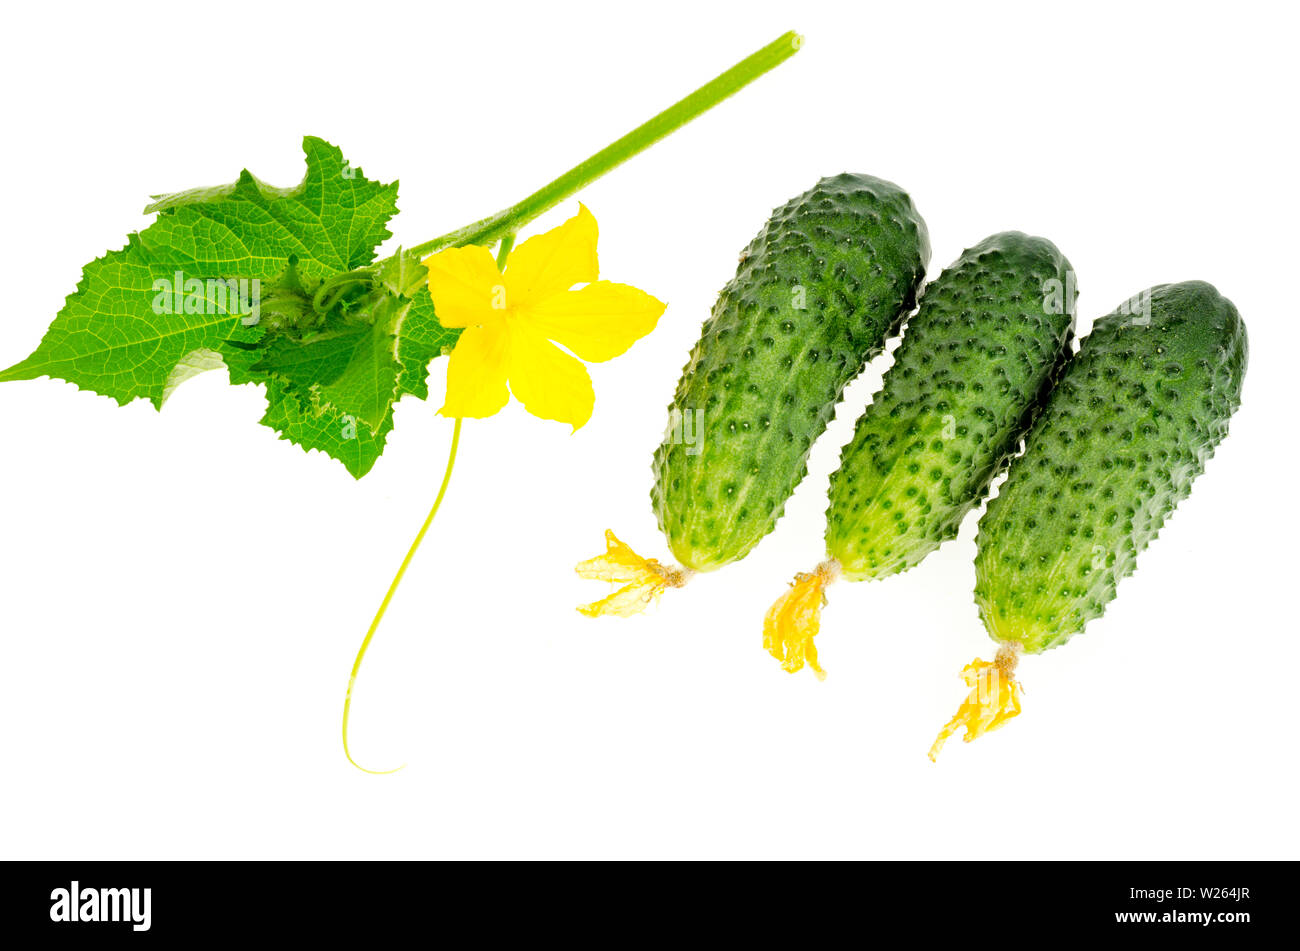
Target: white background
(181, 594)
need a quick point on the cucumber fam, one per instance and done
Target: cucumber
(1131, 424)
(976, 360)
(817, 294)
(1124, 433)
(972, 368)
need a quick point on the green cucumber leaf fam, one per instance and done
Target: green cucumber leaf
(422, 340)
(229, 275)
(366, 386)
(336, 434)
(321, 359)
(139, 313)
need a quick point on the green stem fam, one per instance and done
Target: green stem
(392, 590)
(503, 252)
(491, 229)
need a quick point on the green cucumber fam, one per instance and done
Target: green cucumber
(1122, 436)
(817, 294)
(976, 359)
(1130, 425)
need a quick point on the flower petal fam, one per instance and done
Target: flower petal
(466, 287)
(646, 579)
(793, 621)
(549, 382)
(476, 373)
(598, 322)
(994, 698)
(553, 261)
(626, 601)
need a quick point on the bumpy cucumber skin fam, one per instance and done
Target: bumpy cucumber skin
(1131, 423)
(764, 378)
(989, 336)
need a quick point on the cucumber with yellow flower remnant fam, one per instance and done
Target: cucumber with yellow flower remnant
(817, 294)
(990, 333)
(1132, 422)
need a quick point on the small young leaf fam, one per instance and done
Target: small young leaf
(340, 436)
(422, 340)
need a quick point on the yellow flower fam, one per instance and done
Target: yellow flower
(993, 700)
(792, 623)
(643, 579)
(511, 319)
